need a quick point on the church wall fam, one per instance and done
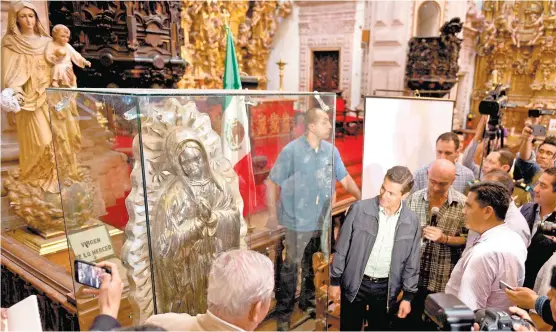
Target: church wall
(357, 56)
(390, 24)
(327, 26)
(285, 45)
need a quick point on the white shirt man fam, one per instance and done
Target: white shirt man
(514, 219)
(497, 255)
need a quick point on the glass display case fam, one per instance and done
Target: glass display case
(159, 182)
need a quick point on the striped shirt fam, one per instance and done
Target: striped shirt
(463, 176)
(497, 255)
(437, 259)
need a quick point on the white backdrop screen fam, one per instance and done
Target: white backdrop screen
(403, 132)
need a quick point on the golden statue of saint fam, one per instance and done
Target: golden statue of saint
(26, 71)
(45, 142)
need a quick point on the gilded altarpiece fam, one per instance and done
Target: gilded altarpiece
(517, 42)
(253, 24)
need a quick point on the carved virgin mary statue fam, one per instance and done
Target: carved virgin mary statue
(33, 189)
(25, 70)
(194, 210)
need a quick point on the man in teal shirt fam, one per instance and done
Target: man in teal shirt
(304, 172)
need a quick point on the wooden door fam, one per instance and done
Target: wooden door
(326, 71)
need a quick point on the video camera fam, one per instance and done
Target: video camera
(535, 113)
(494, 102)
(548, 226)
(450, 314)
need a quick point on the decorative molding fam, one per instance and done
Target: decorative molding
(328, 25)
(387, 43)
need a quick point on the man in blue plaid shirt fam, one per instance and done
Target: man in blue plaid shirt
(447, 146)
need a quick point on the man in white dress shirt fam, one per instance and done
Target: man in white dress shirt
(497, 255)
(514, 219)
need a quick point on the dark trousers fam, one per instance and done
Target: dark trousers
(300, 247)
(414, 321)
(369, 305)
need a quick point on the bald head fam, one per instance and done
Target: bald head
(442, 174)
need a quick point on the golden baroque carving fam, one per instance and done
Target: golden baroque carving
(517, 40)
(253, 24)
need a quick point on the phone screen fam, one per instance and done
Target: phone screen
(88, 274)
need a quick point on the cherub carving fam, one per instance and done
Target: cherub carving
(514, 29)
(491, 32)
(537, 23)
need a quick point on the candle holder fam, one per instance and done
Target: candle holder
(281, 64)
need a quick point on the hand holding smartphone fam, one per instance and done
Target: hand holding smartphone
(538, 130)
(504, 285)
(89, 274)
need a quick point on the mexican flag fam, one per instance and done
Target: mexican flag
(235, 130)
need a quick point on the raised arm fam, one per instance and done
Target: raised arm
(469, 154)
(527, 137)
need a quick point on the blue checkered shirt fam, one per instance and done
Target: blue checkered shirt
(463, 177)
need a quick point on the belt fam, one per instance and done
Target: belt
(375, 280)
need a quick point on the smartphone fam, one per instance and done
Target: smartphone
(88, 274)
(538, 130)
(505, 285)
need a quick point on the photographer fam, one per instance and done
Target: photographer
(529, 168)
(109, 297)
(500, 159)
(537, 213)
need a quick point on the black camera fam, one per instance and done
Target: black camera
(535, 113)
(450, 314)
(492, 105)
(497, 320)
(494, 102)
(548, 227)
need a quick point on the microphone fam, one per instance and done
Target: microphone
(434, 216)
(535, 113)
